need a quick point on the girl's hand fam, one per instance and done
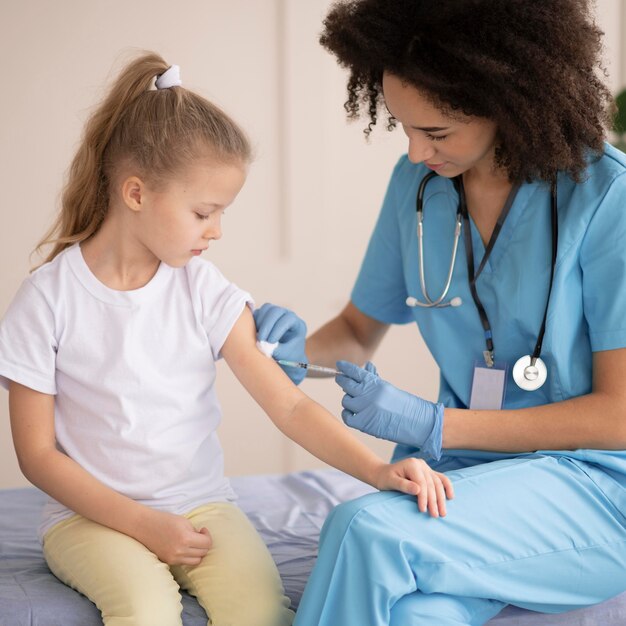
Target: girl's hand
(416, 477)
(173, 538)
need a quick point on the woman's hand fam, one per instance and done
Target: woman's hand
(173, 538)
(415, 477)
(276, 324)
(376, 407)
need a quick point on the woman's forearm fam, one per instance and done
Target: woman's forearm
(351, 336)
(595, 420)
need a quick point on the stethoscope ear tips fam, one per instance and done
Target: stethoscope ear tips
(456, 301)
(411, 301)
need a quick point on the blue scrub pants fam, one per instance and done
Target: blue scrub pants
(534, 531)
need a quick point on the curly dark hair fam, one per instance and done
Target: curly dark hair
(532, 66)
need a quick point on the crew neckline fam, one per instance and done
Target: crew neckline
(99, 290)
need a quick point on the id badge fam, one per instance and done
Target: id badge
(488, 386)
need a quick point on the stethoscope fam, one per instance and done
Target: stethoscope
(529, 371)
(440, 301)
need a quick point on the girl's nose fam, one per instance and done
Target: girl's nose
(214, 230)
(215, 233)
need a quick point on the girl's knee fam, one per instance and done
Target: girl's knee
(154, 605)
(255, 609)
(243, 591)
(273, 616)
(265, 614)
(144, 612)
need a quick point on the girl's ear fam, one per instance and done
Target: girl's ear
(134, 193)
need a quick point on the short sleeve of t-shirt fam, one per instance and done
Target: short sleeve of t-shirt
(380, 289)
(27, 341)
(603, 263)
(219, 302)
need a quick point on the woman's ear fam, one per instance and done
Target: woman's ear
(133, 191)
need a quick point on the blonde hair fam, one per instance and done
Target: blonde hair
(158, 131)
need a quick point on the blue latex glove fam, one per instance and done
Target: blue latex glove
(277, 324)
(376, 407)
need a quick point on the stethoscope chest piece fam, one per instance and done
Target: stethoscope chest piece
(529, 376)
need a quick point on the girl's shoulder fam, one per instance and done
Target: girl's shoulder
(201, 271)
(208, 287)
(51, 277)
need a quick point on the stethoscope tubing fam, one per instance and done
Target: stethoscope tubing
(534, 364)
(437, 302)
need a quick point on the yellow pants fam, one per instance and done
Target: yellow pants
(237, 582)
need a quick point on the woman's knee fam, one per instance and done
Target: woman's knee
(341, 519)
(344, 513)
(443, 610)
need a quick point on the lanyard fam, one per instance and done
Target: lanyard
(473, 277)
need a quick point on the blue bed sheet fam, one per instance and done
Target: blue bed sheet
(288, 511)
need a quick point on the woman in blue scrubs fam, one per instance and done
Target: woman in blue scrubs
(502, 100)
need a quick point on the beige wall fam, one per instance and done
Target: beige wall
(299, 228)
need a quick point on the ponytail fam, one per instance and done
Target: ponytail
(156, 130)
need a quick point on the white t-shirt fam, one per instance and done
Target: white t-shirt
(133, 373)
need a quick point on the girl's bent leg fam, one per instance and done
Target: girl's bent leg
(237, 583)
(533, 531)
(127, 582)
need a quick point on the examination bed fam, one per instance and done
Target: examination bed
(288, 510)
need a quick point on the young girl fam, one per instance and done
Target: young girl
(109, 351)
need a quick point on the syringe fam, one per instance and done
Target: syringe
(310, 366)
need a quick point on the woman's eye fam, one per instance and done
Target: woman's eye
(435, 137)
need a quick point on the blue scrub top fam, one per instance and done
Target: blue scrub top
(587, 310)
